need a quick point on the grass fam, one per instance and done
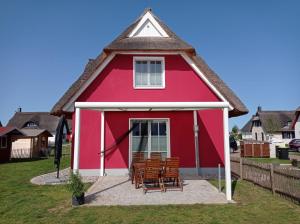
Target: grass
(22, 202)
(271, 160)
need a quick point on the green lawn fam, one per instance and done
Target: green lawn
(271, 160)
(22, 202)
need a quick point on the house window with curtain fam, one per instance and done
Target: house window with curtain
(150, 136)
(149, 72)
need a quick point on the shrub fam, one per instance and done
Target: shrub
(76, 185)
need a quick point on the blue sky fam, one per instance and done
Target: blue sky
(254, 46)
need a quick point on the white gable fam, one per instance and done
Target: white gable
(148, 27)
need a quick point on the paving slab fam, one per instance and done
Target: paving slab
(110, 190)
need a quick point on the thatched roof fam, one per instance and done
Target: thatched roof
(44, 120)
(9, 131)
(171, 43)
(247, 127)
(274, 121)
(35, 132)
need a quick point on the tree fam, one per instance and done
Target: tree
(235, 133)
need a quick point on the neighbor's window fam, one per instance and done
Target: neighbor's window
(3, 142)
(149, 72)
(30, 124)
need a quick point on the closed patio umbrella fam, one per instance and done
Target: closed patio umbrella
(58, 141)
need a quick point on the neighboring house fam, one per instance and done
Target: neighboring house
(32, 144)
(6, 138)
(268, 125)
(246, 131)
(296, 123)
(149, 91)
(36, 120)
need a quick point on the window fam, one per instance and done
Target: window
(255, 136)
(3, 142)
(31, 124)
(149, 72)
(256, 123)
(262, 137)
(288, 135)
(149, 136)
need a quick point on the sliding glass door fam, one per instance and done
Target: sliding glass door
(150, 136)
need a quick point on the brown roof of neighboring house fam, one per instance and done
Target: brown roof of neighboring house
(171, 43)
(31, 132)
(297, 114)
(247, 127)
(9, 130)
(44, 120)
(274, 121)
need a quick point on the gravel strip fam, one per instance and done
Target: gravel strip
(64, 175)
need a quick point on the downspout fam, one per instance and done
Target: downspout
(196, 130)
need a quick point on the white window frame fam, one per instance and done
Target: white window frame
(2, 138)
(167, 120)
(162, 59)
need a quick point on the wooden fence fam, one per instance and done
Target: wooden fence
(255, 149)
(278, 179)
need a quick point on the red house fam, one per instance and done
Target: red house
(151, 80)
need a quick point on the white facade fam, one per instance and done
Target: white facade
(297, 128)
(258, 134)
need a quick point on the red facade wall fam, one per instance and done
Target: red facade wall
(116, 84)
(182, 84)
(181, 136)
(211, 138)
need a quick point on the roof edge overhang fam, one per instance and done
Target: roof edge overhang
(150, 106)
(189, 51)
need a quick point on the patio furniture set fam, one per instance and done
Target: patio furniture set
(155, 173)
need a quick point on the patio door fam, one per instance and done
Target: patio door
(150, 136)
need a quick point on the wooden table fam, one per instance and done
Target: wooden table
(138, 168)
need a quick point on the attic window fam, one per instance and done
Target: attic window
(30, 124)
(149, 72)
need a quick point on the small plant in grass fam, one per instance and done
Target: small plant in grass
(295, 163)
(76, 186)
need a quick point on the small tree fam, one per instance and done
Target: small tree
(76, 185)
(235, 133)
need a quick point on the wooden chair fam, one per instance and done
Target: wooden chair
(155, 155)
(171, 173)
(136, 157)
(152, 175)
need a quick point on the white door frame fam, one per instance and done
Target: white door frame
(130, 136)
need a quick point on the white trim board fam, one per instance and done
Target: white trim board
(67, 106)
(148, 22)
(150, 106)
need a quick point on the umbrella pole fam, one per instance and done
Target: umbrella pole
(57, 166)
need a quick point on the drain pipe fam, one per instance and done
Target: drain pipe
(196, 130)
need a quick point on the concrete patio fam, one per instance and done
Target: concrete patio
(110, 190)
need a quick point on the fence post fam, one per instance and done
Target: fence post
(241, 168)
(272, 177)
